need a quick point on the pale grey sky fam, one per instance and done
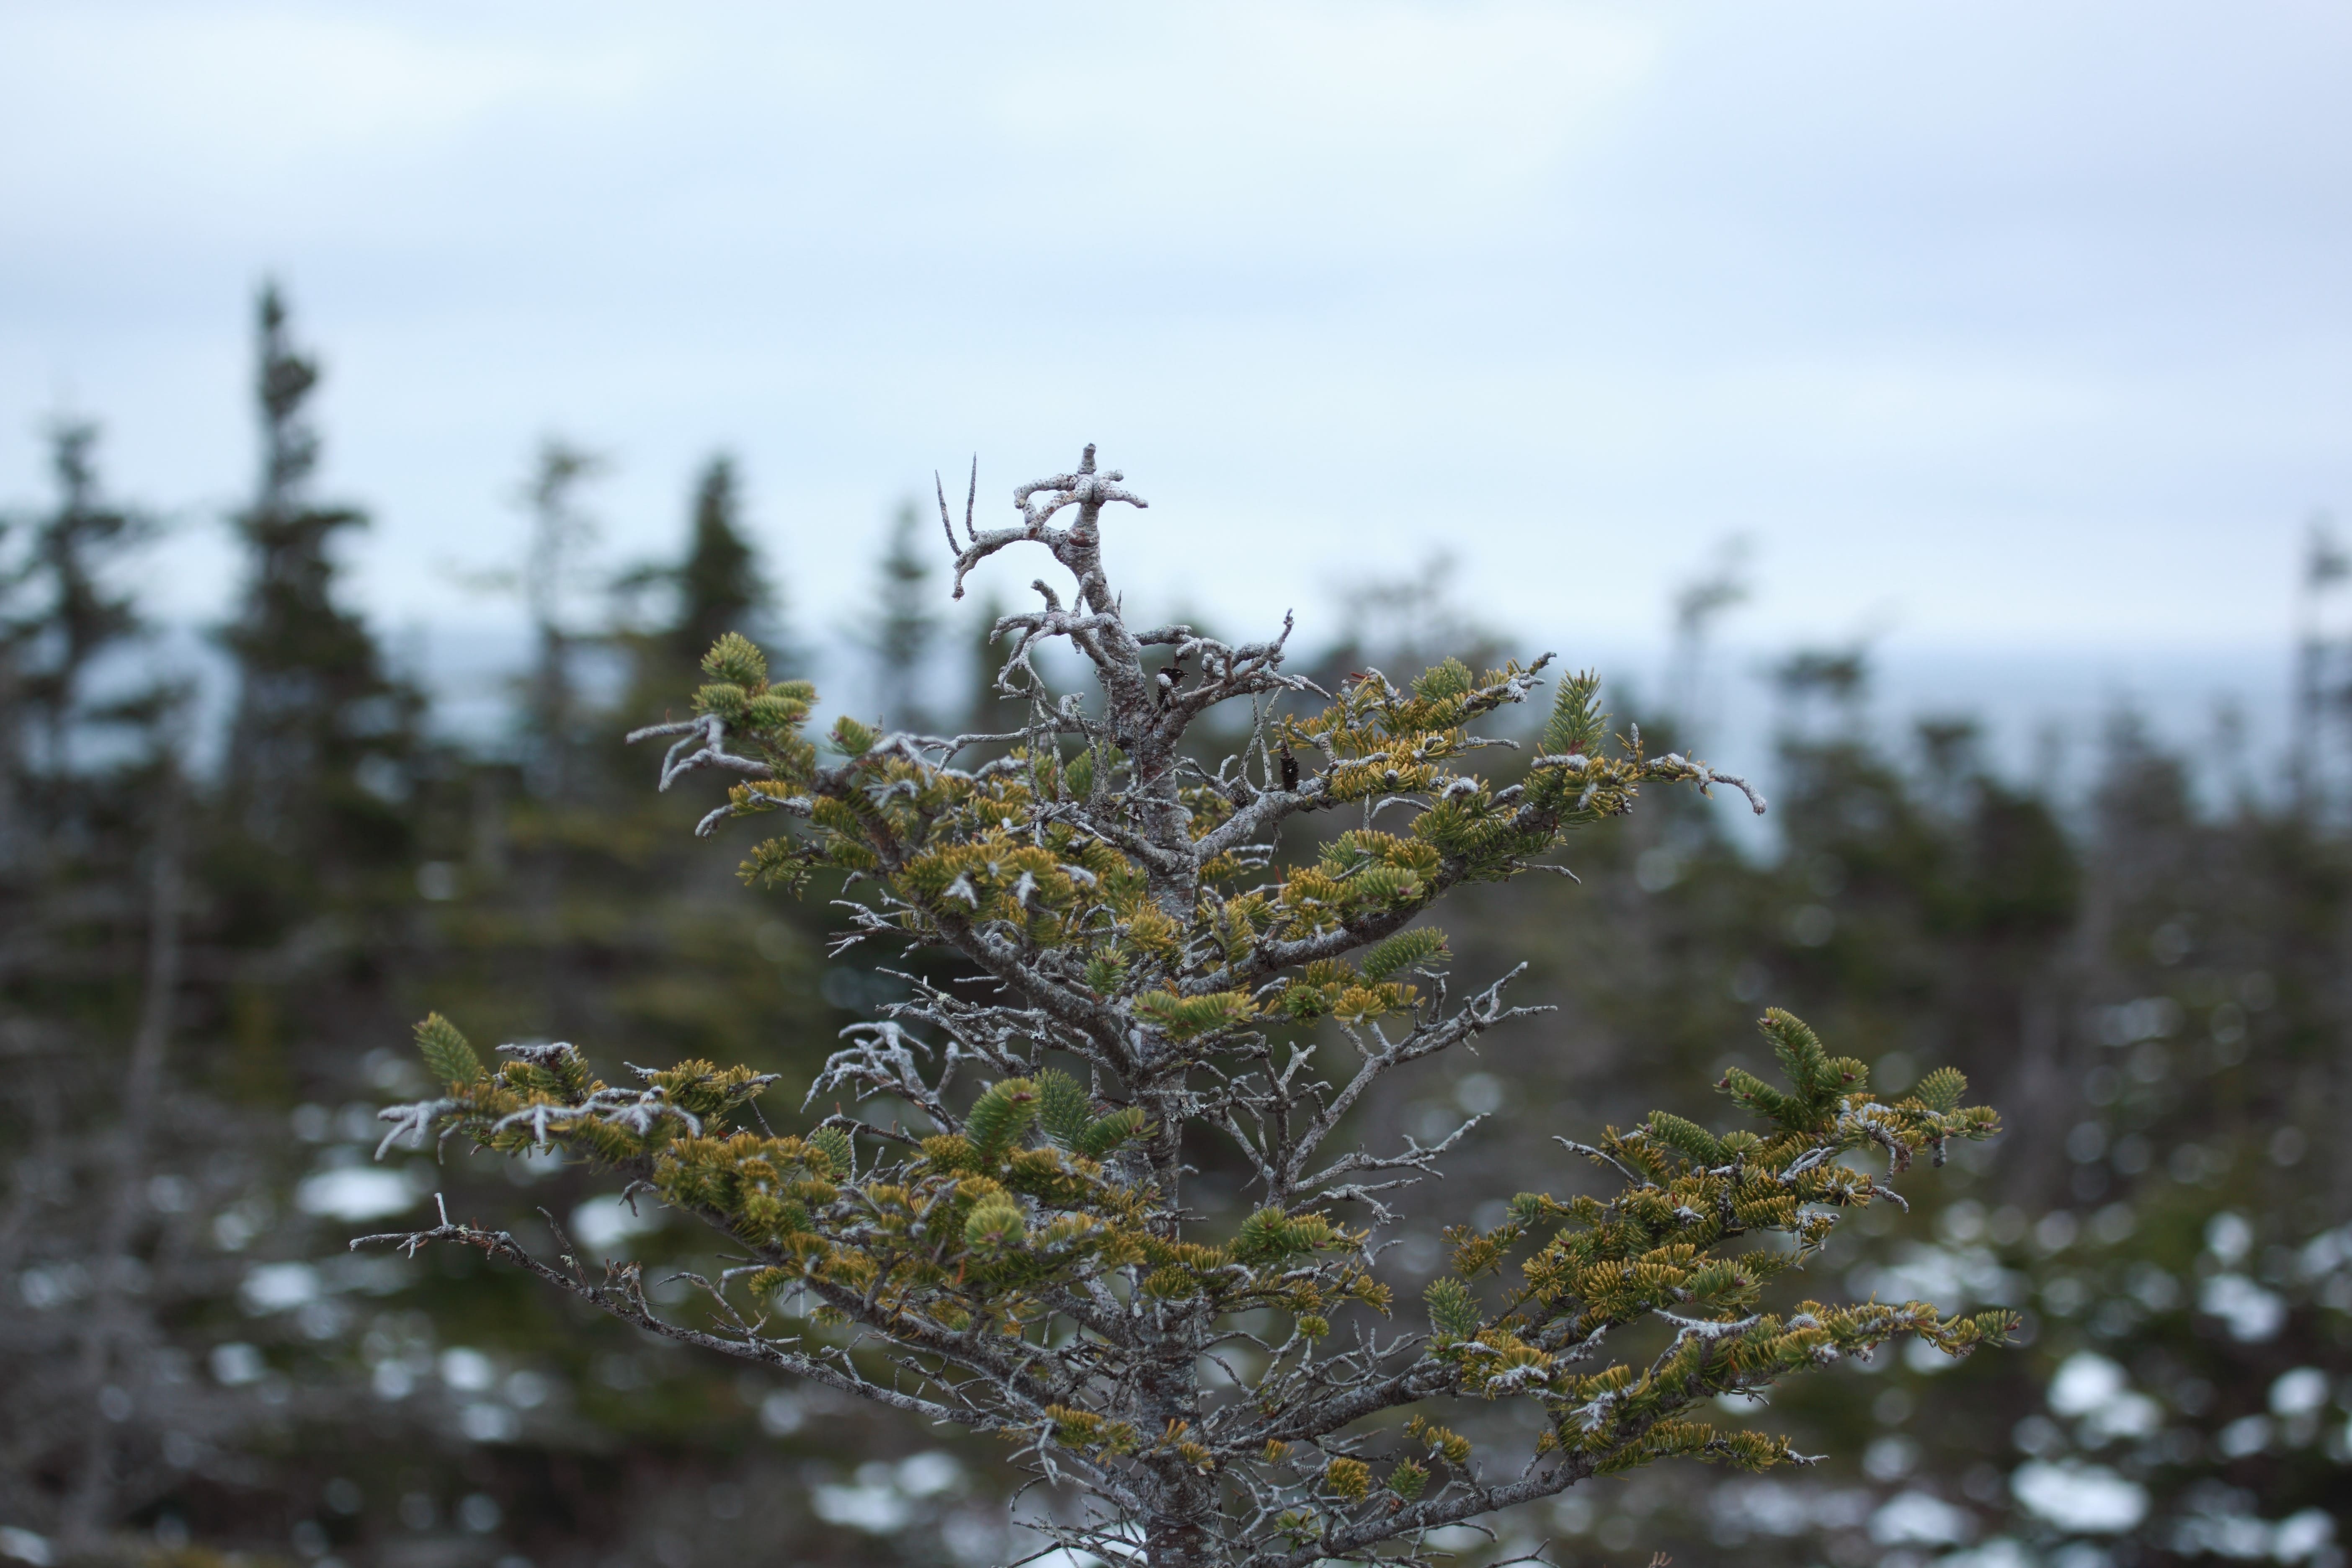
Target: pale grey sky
(1995, 322)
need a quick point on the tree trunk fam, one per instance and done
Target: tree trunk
(91, 1507)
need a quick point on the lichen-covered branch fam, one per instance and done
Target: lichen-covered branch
(1013, 1252)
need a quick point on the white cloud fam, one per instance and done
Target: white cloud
(176, 107)
(1404, 112)
(1958, 309)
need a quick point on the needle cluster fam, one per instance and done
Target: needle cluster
(1001, 1239)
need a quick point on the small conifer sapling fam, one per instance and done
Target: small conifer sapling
(1007, 1246)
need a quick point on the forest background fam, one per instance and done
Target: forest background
(215, 943)
(2010, 337)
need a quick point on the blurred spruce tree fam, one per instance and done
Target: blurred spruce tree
(2149, 982)
(552, 569)
(720, 585)
(95, 1226)
(564, 915)
(322, 736)
(312, 861)
(901, 624)
(82, 615)
(562, 878)
(2151, 992)
(985, 710)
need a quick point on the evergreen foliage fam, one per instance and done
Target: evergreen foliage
(80, 614)
(2145, 978)
(92, 885)
(1025, 1265)
(721, 588)
(321, 732)
(560, 533)
(903, 625)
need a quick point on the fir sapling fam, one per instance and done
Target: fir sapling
(1008, 1247)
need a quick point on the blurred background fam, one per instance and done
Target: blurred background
(1932, 412)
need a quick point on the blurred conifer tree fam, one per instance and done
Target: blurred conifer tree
(903, 625)
(720, 585)
(2149, 980)
(321, 741)
(2150, 991)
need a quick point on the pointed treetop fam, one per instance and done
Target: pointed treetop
(720, 588)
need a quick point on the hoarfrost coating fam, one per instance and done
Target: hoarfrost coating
(1008, 1246)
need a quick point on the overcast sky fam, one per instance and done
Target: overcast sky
(1994, 323)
